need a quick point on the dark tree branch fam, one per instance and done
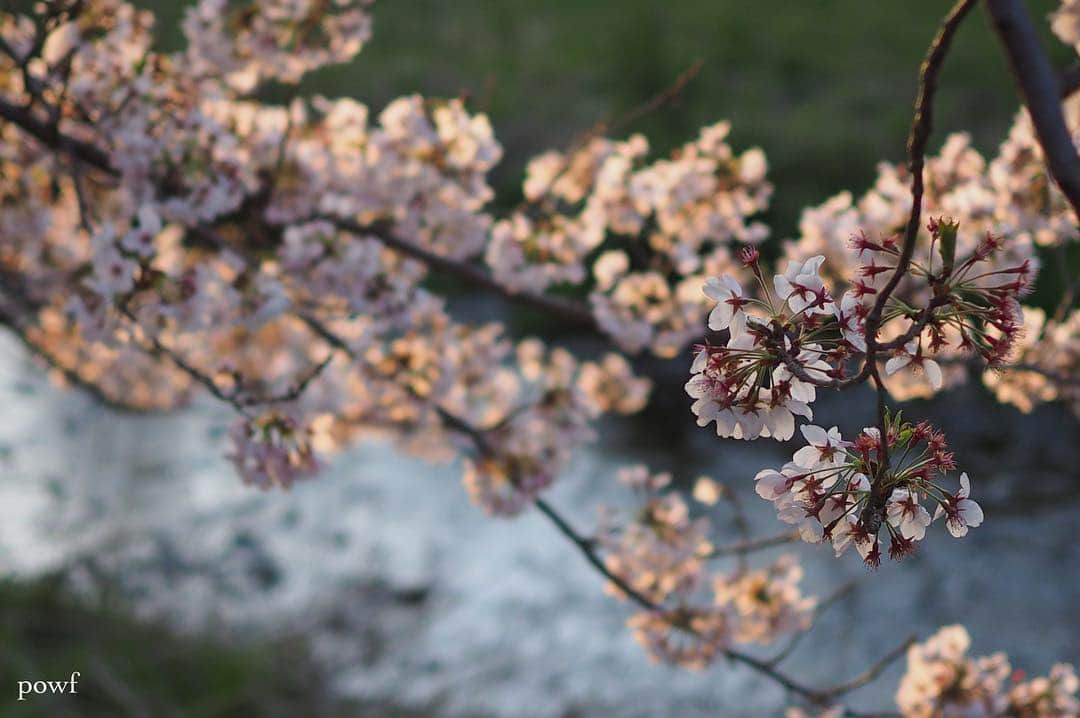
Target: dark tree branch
(588, 550)
(51, 136)
(1041, 88)
(19, 326)
(1070, 80)
(569, 311)
(816, 696)
(832, 599)
(921, 126)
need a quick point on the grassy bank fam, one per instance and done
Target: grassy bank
(138, 668)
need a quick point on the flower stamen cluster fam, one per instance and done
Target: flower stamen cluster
(862, 491)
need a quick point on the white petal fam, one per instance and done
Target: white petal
(783, 424)
(812, 265)
(714, 289)
(770, 484)
(800, 408)
(970, 512)
(897, 363)
(782, 285)
(811, 531)
(737, 325)
(807, 457)
(720, 316)
(933, 373)
(913, 530)
(859, 482)
(815, 435)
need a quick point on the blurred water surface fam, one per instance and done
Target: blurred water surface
(412, 596)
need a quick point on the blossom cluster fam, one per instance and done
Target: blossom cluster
(662, 554)
(208, 240)
(943, 680)
(827, 493)
(785, 339)
(1010, 199)
(529, 444)
(247, 43)
(1048, 351)
(272, 451)
(778, 347)
(650, 231)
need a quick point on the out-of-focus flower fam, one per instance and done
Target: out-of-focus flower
(272, 451)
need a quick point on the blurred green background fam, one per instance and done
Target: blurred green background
(825, 87)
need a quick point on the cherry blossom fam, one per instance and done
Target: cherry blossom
(911, 356)
(765, 374)
(766, 603)
(960, 511)
(941, 679)
(826, 448)
(272, 451)
(165, 232)
(906, 513)
(826, 491)
(729, 298)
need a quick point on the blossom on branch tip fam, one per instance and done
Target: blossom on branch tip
(943, 680)
(777, 352)
(729, 298)
(826, 492)
(911, 355)
(907, 514)
(802, 288)
(826, 448)
(960, 511)
(272, 451)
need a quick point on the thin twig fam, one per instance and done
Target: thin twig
(588, 550)
(294, 392)
(155, 347)
(973, 362)
(19, 327)
(816, 696)
(654, 103)
(875, 670)
(50, 136)
(754, 544)
(586, 546)
(832, 599)
(921, 126)
(570, 311)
